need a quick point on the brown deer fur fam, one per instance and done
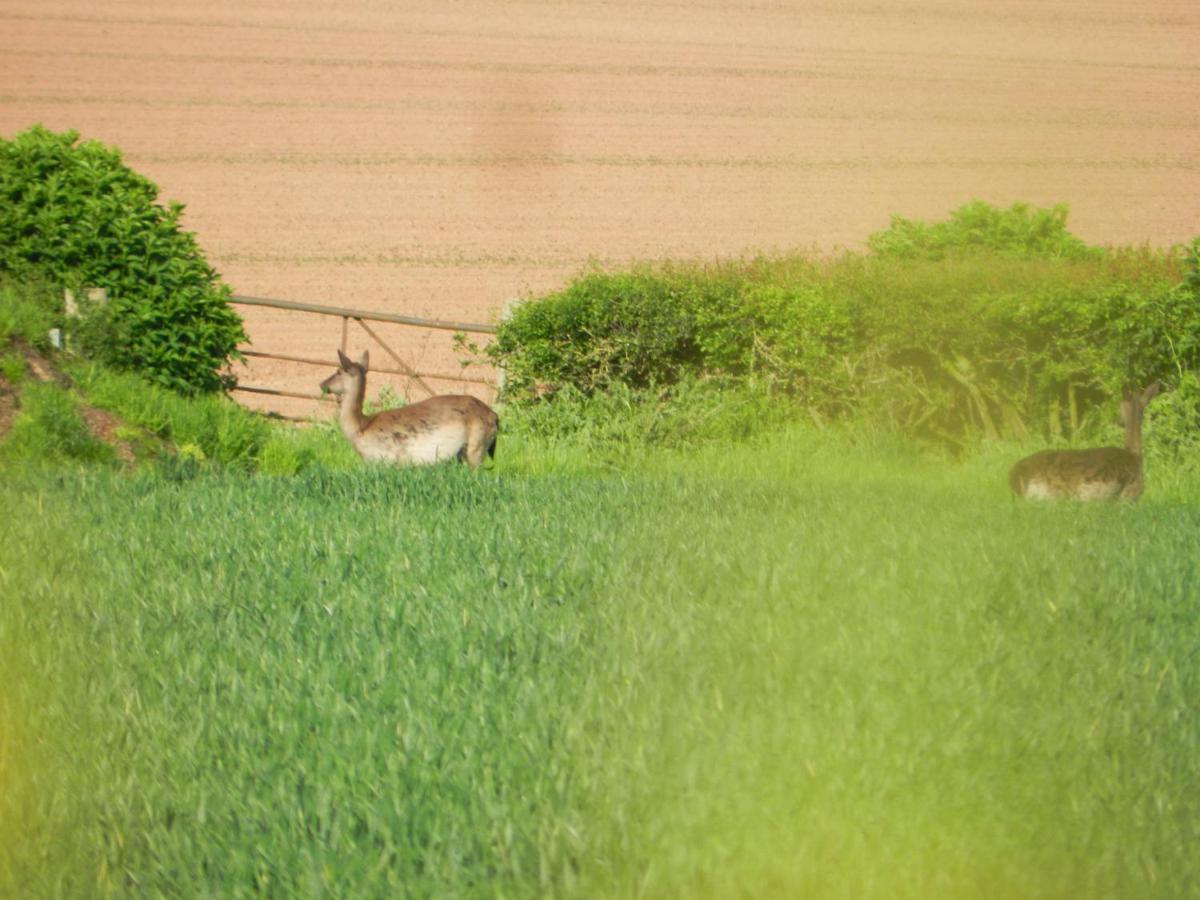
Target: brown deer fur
(431, 431)
(1100, 473)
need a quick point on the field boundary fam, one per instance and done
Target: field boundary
(361, 317)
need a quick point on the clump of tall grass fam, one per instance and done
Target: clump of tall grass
(28, 310)
(291, 450)
(162, 425)
(214, 426)
(50, 431)
(616, 426)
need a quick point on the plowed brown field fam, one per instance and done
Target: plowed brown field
(439, 158)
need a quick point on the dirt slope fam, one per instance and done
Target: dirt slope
(103, 425)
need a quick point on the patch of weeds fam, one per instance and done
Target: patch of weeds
(49, 429)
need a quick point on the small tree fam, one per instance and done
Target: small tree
(74, 212)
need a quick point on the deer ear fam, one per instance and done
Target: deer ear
(343, 360)
(363, 360)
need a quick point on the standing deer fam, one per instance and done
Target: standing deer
(434, 430)
(1101, 473)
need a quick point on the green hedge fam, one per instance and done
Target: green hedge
(74, 213)
(1001, 325)
(1022, 231)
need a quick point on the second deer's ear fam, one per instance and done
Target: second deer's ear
(343, 360)
(363, 362)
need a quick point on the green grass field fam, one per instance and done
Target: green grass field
(810, 666)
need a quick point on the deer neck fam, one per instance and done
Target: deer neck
(1133, 433)
(350, 409)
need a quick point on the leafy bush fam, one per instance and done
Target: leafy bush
(75, 213)
(792, 333)
(631, 328)
(1173, 426)
(1018, 331)
(1021, 231)
(1000, 347)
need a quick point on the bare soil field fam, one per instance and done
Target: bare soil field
(440, 159)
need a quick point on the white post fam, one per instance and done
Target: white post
(96, 296)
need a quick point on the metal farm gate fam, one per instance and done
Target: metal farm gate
(362, 317)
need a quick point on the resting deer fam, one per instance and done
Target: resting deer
(1101, 473)
(434, 430)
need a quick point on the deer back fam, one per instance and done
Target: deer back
(1101, 473)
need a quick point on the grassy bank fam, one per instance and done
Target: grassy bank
(815, 664)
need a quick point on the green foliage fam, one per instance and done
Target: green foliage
(290, 451)
(27, 310)
(825, 665)
(182, 434)
(12, 367)
(613, 428)
(49, 431)
(216, 427)
(1191, 259)
(75, 213)
(1021, 231)
(632, 328)
(1173, 426)
(997, 347)
(1011, 334)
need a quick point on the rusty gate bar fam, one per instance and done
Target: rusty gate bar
(275, 392)
(442, 324)
(308, 360)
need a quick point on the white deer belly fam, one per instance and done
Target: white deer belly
(1041, 489)
(435, 446)
(1098, 490)
(419, 449)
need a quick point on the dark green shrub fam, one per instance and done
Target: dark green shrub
(632, 328)
(74, 212)
(1173, 427)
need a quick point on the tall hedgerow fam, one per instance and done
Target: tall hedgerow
(73, 212)
(997, 323)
